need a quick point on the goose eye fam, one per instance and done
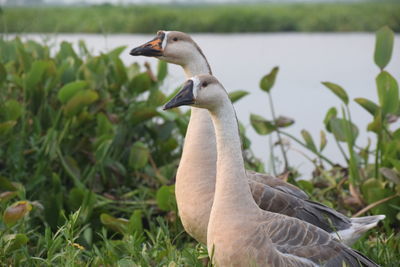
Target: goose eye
(175, 39)
(204, 84)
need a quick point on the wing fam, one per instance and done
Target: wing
(270, 199)
(297, 240)
(276, 183)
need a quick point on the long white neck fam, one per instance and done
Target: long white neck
(231, 187)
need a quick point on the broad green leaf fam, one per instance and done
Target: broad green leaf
(70, 89)
(3, 74)
(165, 197)
(140, 83)
(14, 242)
(283, 122)
(35, 74)
(5, 127)
(116, 52)
(261, 125)
(323, 142)
(237, 95)
(338, 91)
(119, 225)
(13, 110)
(162, 70)
(376, 124)
(142, 114)
(308, 139)
(156, 98)
(388, 93)
(138, 156)
(368, 105)
(383, 46)
(16, 211)
(339, 129)
(135, 222)
(306, 186)
(79, 101)
(332, 113)
(268, 81)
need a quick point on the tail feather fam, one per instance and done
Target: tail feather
(358, 227)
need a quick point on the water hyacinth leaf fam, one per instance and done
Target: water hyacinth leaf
(368, 105)
(237, 95)
(139, 155)
(79, 101)
(140, 83)
(162, 70)
(268, 81)
(13, 110)
(16, 211)
(383, 46)
(35, 74)
(308, 139)
(323, 141)
(261, 125)
(3, 74)
(338, 91)
(283, 122)
(70, 89)
(165, 197)
(339, 129)
(135, 222)
(5, 127)
(388, 93)
(332, 113)
(119, 225)
(14, 242)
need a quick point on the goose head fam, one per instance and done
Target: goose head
(172, 46)
(201, 91)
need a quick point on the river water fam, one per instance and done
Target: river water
(305, 59)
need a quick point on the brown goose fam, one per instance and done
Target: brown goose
(194, 208)
(239, 232)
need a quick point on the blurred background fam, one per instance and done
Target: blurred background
(88, 157)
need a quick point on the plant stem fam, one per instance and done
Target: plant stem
(278, 133)
(302, 144)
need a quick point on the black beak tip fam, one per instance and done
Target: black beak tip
(134, 52)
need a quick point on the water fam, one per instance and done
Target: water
(305, 59)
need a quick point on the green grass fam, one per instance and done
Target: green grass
(208, 18)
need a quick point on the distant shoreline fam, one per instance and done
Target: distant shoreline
(306, 17)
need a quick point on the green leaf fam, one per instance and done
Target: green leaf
(70, 89)
(261, 125)
(332, 113)
(139, 155)
(14, 242)
(165, 197)
(79, 101)
(16, 212)
(376, 124)
(338, 91)
(383, 46)
(116, 51)
(388, 93)
(162, 70)
(13, 110)
(5, 127)
(308, 139)
(142, 114)
(339, 130)
(3, 74)
(6, 185)
(140, 83)
(135, 222)
(283, 122)
(268, 81)
(119, 225)
(237, 95)
(306, 186)
(35, 74)
(323, 142)
(368, 105)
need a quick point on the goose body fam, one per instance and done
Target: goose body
(240, 233)
(195, 207)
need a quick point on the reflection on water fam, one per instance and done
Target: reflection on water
(240, 60)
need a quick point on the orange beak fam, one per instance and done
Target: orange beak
(152, 48)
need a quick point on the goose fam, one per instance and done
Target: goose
(240, 233)
(194, 208)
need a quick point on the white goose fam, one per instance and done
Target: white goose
(194, 207)
(239, 232)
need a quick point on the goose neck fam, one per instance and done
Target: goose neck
(198, 65)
